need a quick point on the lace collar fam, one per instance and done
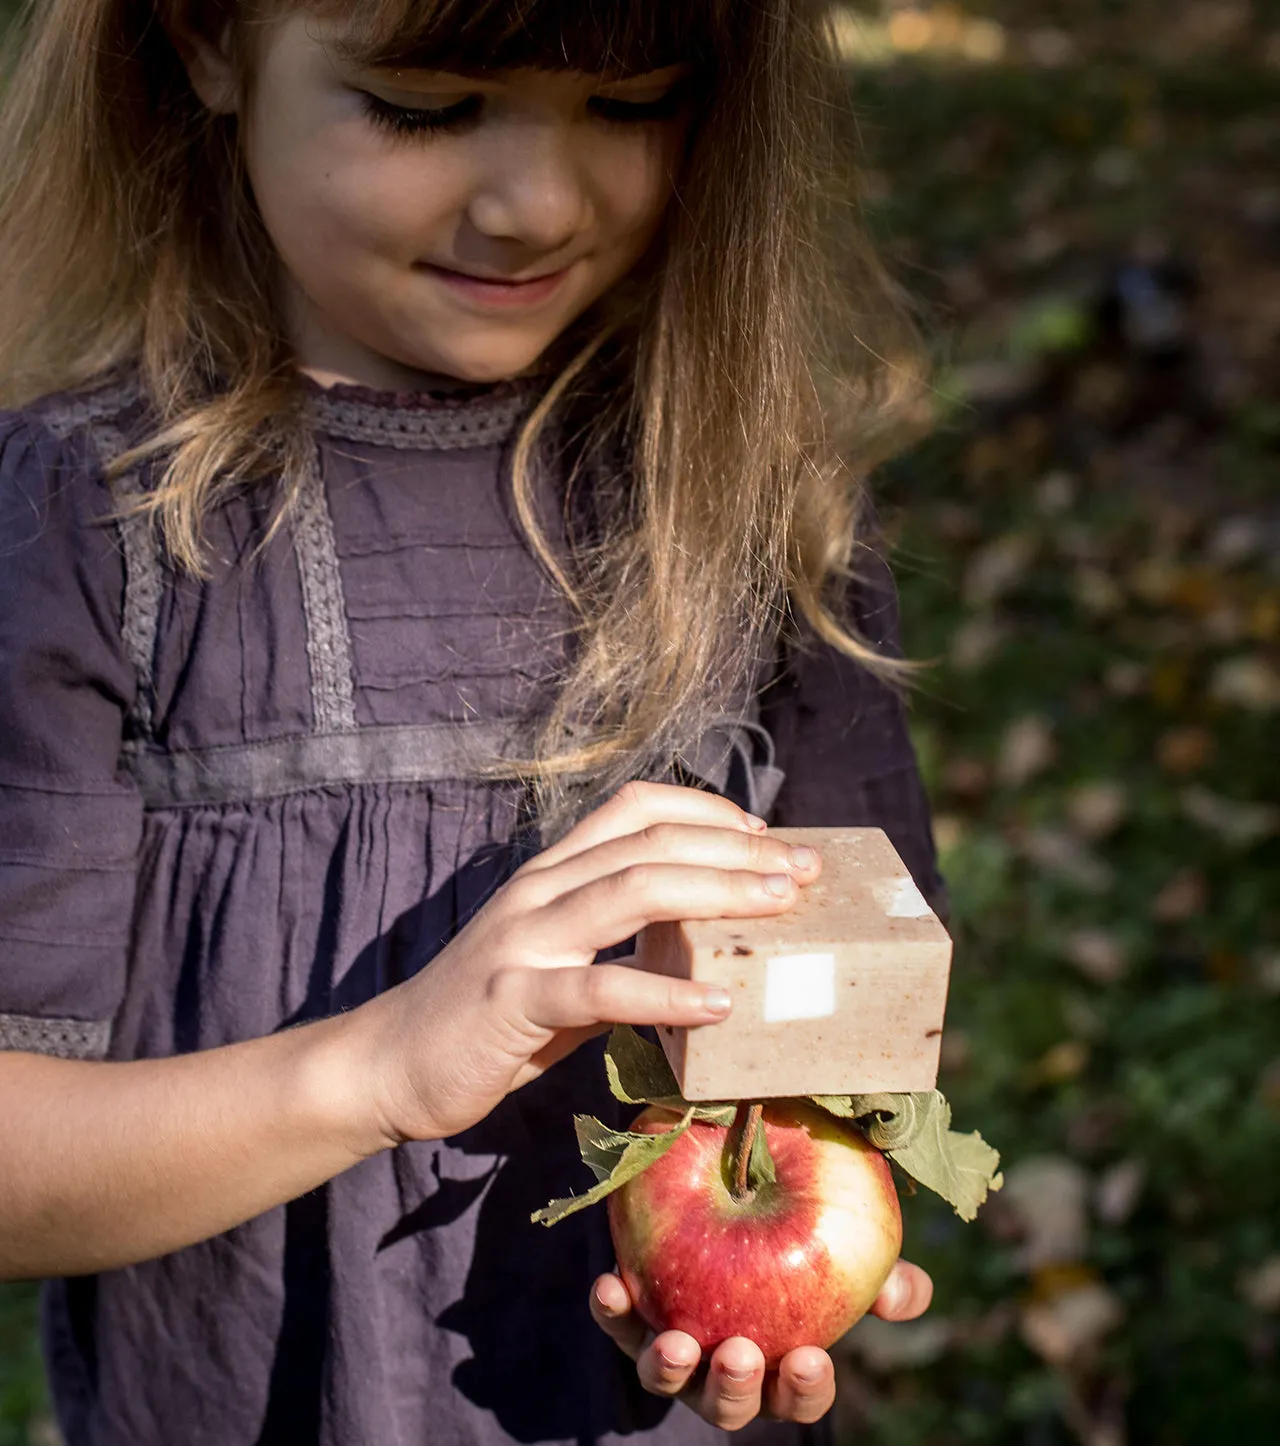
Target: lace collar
(470, 417)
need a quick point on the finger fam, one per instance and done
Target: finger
(905, 1295)
(804, 1388)
(731, 1392)
(612, 1311)
(608, 910)
(637, 805)
(684, 844)
(580, 999)
(668, 1363)
(563, 1043)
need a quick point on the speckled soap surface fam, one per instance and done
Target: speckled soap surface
(843, 994)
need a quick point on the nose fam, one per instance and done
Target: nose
(532, 190)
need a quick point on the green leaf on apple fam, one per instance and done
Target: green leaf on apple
(614, 1157)
(640, 1075)
(760, 1167)
(914, 1130)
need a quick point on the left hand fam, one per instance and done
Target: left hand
(736, 1387)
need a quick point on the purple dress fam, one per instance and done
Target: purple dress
(231, 804)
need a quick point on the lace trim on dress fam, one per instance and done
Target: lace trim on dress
(62, 1038)
(447, 421)
(329, 652)
(99, 413)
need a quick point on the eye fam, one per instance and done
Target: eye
(621, 111)
(406, 121)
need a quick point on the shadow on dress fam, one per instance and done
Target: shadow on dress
(523, 1311)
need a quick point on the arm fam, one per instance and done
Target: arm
(102, 1164)
(105, 1164)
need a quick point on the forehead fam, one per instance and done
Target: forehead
(620, 36)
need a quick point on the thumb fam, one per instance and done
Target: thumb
(906, 1294)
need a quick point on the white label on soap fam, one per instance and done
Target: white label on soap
(902, 900)
(799, 986)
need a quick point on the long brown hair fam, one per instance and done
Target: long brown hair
(724, 408)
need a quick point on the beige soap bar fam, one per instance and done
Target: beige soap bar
(843, 994)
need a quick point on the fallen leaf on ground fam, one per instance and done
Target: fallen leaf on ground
(1071, 1325)
(1098, 809)
(886, 1346)
(1026, 750)
(1062, 854)
(1250, 682)
(1266, 970)
(975, 642)
(1117, 1191)
(1047, 1195)
(1065, 1061)
(967, 777)
(1097, 592)
(1185, 750)
(1184, 897)
(1260, 1286)
(997, 568)
(1237, 822)
(1126, 679)
(1097, 954)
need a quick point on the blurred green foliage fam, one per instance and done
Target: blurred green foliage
(1087, 547)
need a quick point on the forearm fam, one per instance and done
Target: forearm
(103, 1165)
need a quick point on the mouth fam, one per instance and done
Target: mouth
(497, 291)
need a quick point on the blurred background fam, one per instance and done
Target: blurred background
(1085, 197)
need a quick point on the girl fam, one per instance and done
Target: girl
(429, 524)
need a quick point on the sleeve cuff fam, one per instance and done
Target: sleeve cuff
(62, 1038)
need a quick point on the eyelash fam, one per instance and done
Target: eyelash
(403, 121)
(407, 121)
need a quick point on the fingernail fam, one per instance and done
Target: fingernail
(753, 822)
(807, 1377)
(717, 1001)
(803, 858)
(779, 885)
(733, 1373)
(893, 1295)
(604, 1305)
(668, 1363)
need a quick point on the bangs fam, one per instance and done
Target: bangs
(625, 37)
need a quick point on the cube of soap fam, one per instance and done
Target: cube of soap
(843, 994)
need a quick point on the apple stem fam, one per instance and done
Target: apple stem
(746, 1123)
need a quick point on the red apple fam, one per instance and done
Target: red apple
(793, 1264)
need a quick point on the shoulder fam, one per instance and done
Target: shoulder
(53, 457)
(103, 413)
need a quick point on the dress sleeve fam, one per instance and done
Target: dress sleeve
(70, 824)
(841, 738)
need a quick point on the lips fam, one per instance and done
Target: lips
(502, 292)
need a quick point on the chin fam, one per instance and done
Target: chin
(486, 360)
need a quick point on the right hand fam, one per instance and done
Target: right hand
(517, 989)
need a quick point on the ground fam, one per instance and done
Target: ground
(1085, 197)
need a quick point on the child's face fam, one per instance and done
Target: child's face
(463, 248)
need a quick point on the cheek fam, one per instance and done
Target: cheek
(632, 179)
(333, 193)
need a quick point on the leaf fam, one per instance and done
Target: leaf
(614, 1157)
(638, 1071)
(914, 1130)
(760, 1167)
(640, 1075)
